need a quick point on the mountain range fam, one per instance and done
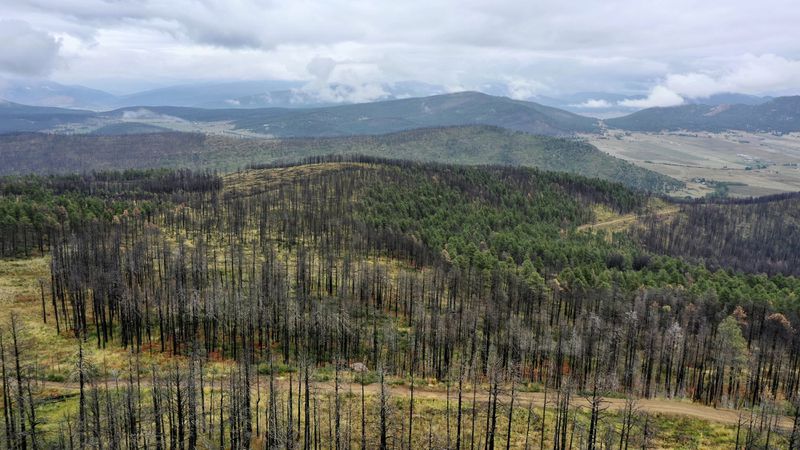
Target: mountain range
(298, 94)
(464, 108)
(781, 114)
(235, 94)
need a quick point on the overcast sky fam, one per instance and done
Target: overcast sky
(666, 50)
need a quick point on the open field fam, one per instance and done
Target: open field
(749, 164)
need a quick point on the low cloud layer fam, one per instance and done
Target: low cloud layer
(659, 96)
(347, 50)
(748, 75)
(26, 51)
(593, 103)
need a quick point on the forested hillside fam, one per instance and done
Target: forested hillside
(368, 303)
(753, 235)
(781, 115)
(48, 153)
(15, 118)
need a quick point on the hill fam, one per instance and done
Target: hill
(781, 115)
(753, 235)
(465, 108)
(476, 145)
(52, 94)
(23, 118)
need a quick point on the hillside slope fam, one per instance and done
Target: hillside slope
(476, 145)
(780, 115)
(752, 235)
(23, 118)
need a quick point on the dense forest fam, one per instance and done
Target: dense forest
(236, 298)
(53, 153)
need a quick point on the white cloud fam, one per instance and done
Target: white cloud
(659, 96)
(26, 51)
(594, 104)
(528, 48)
(343, 81)
(748, 74)
(692, 85)
(523, 89)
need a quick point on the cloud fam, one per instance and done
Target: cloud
(321, 69)
(523, 48)
(342, 82)
(692, 85)
(748, 74)
(26, 51)
(523, 89)
(660, 96)
(594, 104)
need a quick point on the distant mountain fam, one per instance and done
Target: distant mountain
(51, 153)
(48, 93)
(729, 98)
(212, 95)
(465, 108)
(236, 94)
(16, 118)
(592, 104)
(781, 114)
(583, 100)
(331, 95)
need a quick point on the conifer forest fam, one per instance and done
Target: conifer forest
(352, 302)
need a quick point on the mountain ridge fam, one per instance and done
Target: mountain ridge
(780, 114)
(464, 108)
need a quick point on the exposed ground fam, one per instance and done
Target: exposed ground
(536, 399)
(611, 222)
(752, 164)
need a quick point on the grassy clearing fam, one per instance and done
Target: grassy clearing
(612, 222)
(264, 179)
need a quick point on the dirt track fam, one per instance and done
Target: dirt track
(662, 406)
(628, 219)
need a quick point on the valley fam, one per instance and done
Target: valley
(738, 163)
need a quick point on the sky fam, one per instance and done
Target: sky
(664, 51)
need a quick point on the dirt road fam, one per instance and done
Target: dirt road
(628, 219)
(662, 406)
